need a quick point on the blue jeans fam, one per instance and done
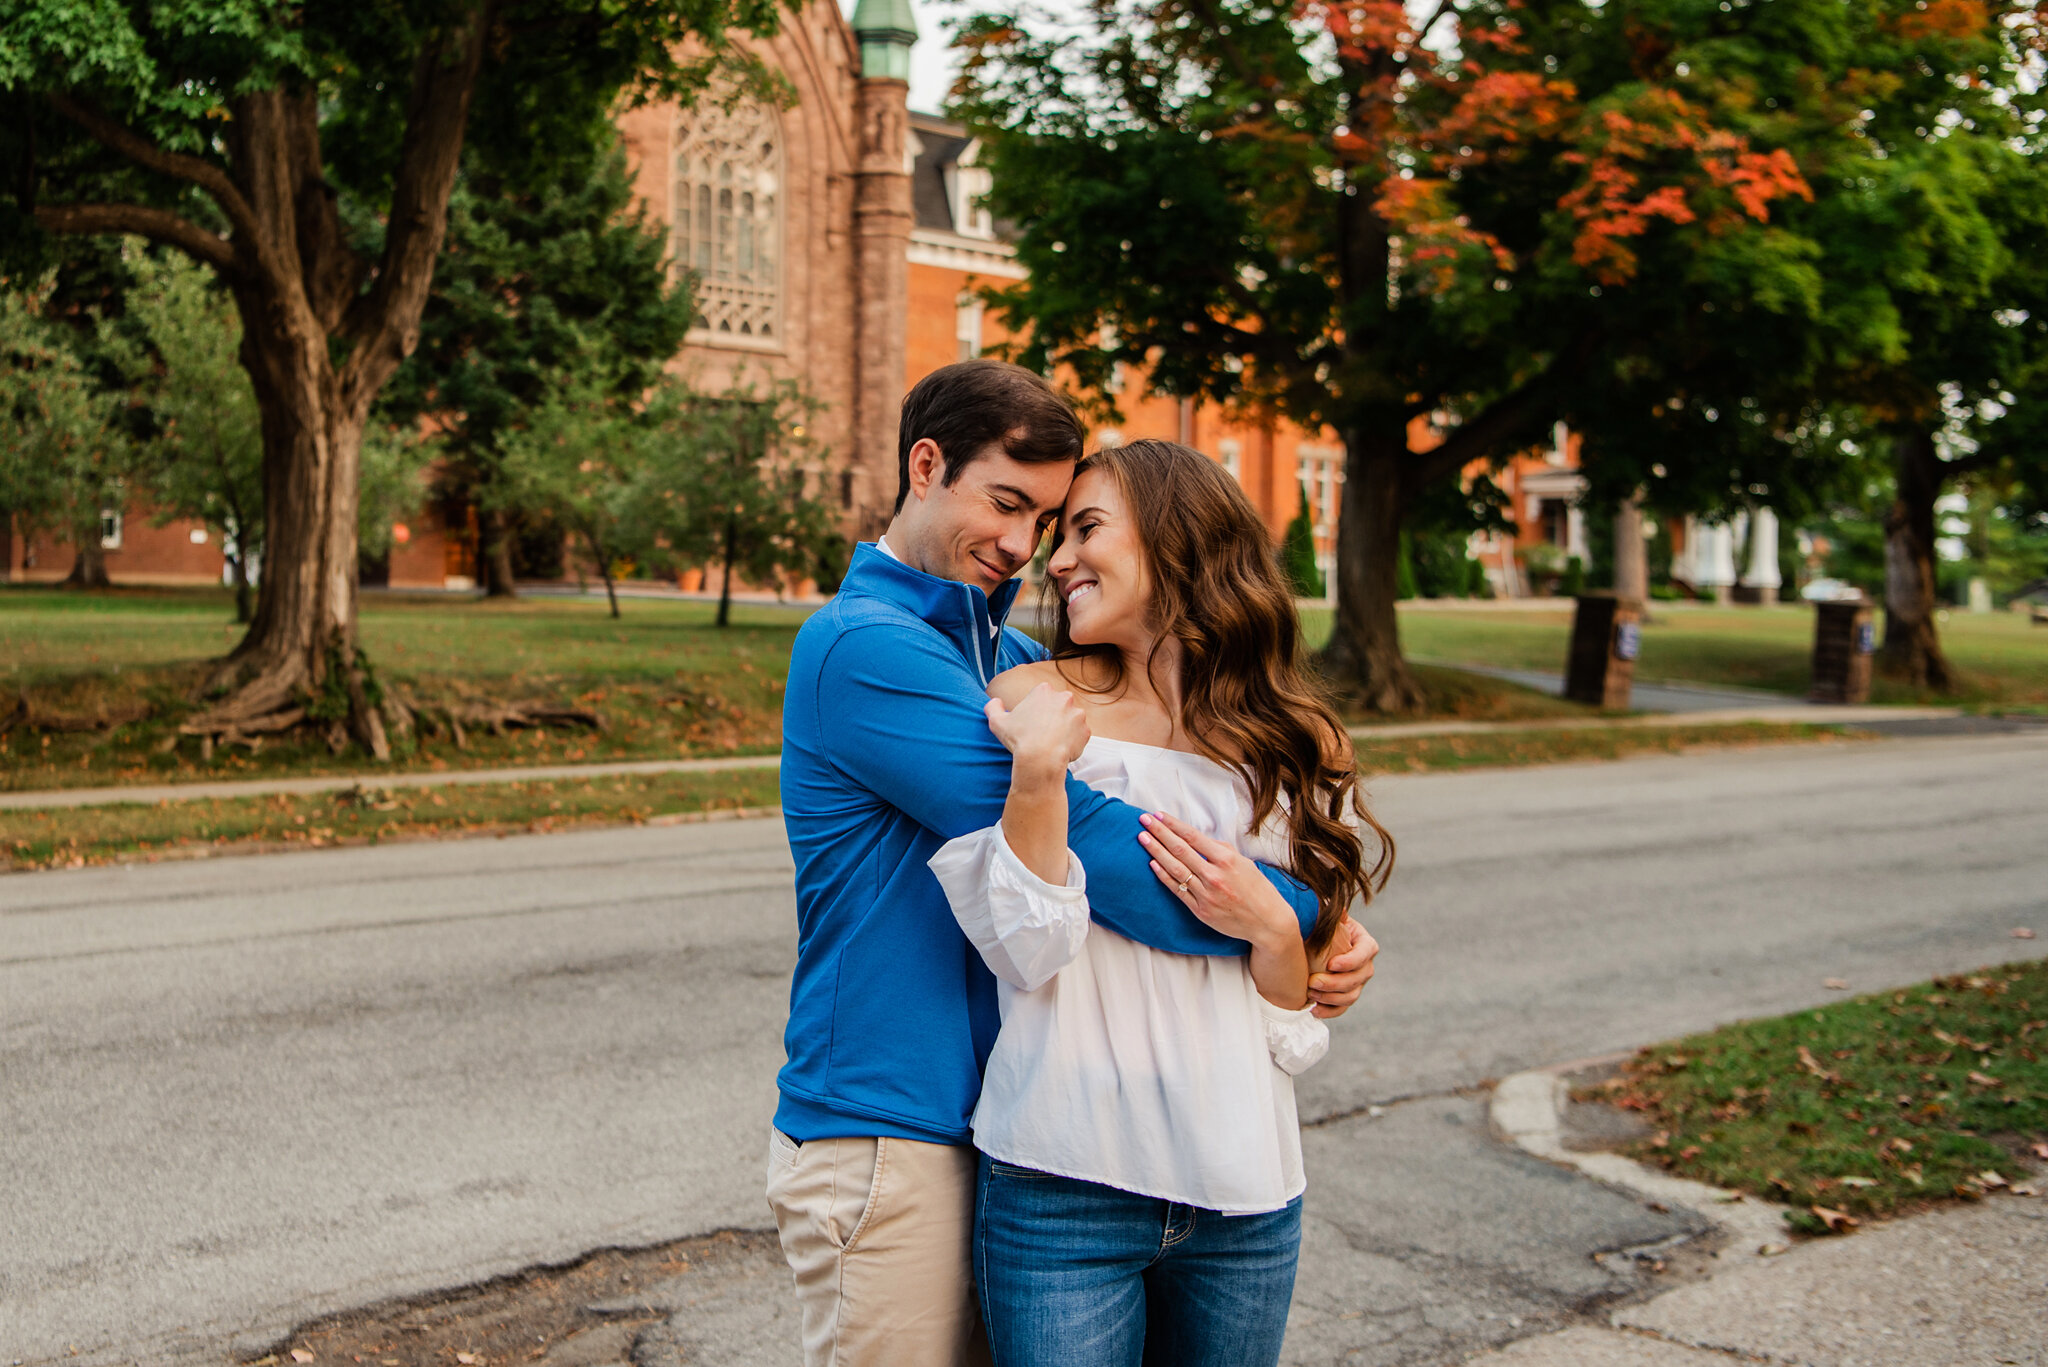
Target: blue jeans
(1082, 1275)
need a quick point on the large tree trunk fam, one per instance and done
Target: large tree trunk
(496, 530)
(1363, 659)
(725, 581)
(89, 566)
(302, 644)
(1912, 648)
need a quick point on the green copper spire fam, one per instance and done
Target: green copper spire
(886, 29)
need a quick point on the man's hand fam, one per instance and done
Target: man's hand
(1335, 983)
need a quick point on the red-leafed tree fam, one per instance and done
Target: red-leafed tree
(1357, 217)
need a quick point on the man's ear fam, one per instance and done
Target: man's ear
(927, 468)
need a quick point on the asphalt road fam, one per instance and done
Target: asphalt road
(238, 1093)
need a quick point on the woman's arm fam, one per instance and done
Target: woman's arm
(1044, 732)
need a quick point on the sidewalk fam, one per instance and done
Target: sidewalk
(1957, 1286)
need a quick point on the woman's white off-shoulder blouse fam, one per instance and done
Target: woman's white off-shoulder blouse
(1162, 1074)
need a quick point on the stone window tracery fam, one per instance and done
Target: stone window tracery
(728, 220)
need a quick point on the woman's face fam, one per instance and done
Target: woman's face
(1099, 567)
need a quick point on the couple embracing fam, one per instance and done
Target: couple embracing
(1069, 922)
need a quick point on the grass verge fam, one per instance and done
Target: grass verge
(40, 838)
(1866, 1107)
(2002, 659)
(1510, 749)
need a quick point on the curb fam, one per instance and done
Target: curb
(1527, 1110)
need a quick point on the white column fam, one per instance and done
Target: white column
(1763, 555)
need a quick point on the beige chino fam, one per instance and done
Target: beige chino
(878, 1234)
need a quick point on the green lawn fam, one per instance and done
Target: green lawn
(1863, 1107)
(2003, 658)
(668, 683)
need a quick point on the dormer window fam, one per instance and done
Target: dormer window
(967, 187)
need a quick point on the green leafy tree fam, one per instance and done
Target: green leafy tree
(565, 272)
(63, 450)
(306, 153)
(742, 475)
(1298, 553)
(178, 338)
(1362, 217)
(587, 459)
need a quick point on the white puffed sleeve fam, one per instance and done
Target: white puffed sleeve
(1026, 928)
(1295, 1039)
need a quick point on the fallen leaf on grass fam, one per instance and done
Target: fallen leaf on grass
(1835, 1220)
(1990, 1181)
(1857, 1181)
(1985, 1080)
(301, 1355)
(2025, 1189)
(465, 1358)
(2039, 1150)
(1813, 1065)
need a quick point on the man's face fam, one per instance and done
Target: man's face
(985, 526)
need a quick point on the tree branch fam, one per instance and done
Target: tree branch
(1501, 422)
(158, 225)
(119, 138)
(385, 321)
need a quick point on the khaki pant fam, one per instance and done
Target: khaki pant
(877, 1233)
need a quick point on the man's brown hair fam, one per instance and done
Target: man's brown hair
(969, 406)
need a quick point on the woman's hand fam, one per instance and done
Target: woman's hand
(1045, 732)
(1227, 891)
(1220, 886)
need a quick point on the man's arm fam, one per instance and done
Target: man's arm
(902, 715)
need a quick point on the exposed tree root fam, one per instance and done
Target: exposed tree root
(26, 714)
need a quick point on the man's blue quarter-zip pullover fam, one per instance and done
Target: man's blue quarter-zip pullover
(886, 755)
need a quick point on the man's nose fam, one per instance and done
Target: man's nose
(1019, 541)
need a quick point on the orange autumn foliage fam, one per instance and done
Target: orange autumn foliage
(1943, 19)
(1657, 159)
(1658, 134)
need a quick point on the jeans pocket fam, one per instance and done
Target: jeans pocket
(1012, 1172)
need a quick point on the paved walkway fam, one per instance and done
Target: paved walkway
(1953, 1288)
(1656, 697)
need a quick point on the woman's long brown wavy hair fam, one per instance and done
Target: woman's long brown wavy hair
(1245, 702)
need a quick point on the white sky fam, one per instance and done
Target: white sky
(933, 63)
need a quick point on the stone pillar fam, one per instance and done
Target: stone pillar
(881, 241)
(1631, 557)
(1762, 579)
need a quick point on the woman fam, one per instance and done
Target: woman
(1141, 1174)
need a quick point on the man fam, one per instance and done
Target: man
(886, 755)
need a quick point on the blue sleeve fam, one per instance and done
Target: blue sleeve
(900, 714)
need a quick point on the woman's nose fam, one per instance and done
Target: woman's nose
(1062, 559)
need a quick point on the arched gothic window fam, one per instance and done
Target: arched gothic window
(728, 220)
